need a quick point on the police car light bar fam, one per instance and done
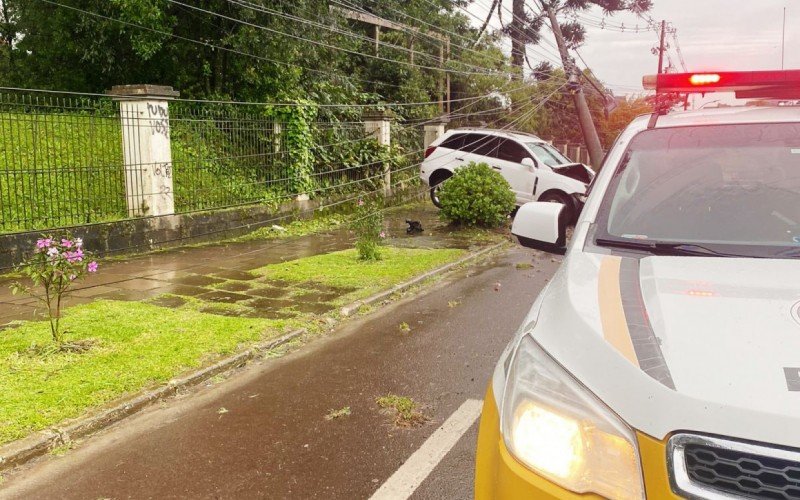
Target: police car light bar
(746, 84)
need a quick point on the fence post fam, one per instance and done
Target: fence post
(433, 131)
(146, 148)
(379, 125)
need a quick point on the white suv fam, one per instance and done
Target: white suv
(535, 170)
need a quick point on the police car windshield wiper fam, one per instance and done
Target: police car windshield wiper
(658, 248)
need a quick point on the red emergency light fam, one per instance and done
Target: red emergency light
(746, 84)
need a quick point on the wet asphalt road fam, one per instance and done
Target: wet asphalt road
(262, 433)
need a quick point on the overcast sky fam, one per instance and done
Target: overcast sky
(712, 34)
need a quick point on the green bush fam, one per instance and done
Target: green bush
(476, 195)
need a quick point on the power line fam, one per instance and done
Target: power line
(211, 45)
(328, 45)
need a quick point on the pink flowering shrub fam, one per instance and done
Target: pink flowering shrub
(53, 267)
(367, 223)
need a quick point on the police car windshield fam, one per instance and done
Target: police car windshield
(734, 189)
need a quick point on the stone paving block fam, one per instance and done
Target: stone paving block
(139, 284)
(224, 297)
(234, 286)
(268, 292)
(197, 280)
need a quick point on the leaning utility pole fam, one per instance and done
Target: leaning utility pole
(584, 116)
(661, 48)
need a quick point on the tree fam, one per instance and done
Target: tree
(627, 109)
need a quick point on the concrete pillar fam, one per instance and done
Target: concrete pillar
(146, 148)
(379, 125)
(433, 131)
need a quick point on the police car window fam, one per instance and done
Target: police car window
(511, 150)
(717, 186)
(454, 142)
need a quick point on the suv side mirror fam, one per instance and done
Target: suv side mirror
(528, 162)
(541, 225)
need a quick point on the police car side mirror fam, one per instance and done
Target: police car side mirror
(541, 225)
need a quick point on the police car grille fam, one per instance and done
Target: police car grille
(742, 474)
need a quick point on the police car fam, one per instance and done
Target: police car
(663, 358)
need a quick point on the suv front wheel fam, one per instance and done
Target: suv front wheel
(436, 185)
(564, 199)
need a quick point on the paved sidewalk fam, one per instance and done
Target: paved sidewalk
(219, 274)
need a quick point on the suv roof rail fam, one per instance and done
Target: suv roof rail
(508, 131)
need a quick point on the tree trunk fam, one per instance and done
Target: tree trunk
(517, 38)
(590, 136)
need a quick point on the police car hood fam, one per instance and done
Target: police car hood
(682, 343)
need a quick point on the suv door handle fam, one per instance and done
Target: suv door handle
(459, 159)
(497, 168)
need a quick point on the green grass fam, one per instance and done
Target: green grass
(344, 269)
(302, 227)
(406, 410)
(137, 345)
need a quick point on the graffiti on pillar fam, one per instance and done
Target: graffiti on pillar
(163, 170)
(159, 119)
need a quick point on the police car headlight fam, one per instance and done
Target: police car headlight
(556, 427)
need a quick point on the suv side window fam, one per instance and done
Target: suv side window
(488, 146)
(472, 142)
(456, 141)
(511, 150)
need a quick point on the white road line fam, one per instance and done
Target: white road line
(411, 474)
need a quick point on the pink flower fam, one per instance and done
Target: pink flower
(43, 242)
(79, 242)
(66, 243)
(72, 277)
(92, 267)
(360, 203)
(382, 235)
(52, 251)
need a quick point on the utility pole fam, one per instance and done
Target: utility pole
(590, 136)
(661, 48)
(783, 36)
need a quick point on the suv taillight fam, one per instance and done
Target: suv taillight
(429, 151)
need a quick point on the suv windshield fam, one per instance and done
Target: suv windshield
(547, 154)
(722, 189)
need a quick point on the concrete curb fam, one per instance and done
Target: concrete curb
(353, 307)
(19, 452)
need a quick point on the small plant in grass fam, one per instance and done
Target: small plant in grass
(334, 414)
(55, 265)
(407, 413)
(476, 195)
(367, 223)
(404, 327)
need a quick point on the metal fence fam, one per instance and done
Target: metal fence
(63, 163)
(60, 161)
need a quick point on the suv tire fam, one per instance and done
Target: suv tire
(564, 199)
(438, 180)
